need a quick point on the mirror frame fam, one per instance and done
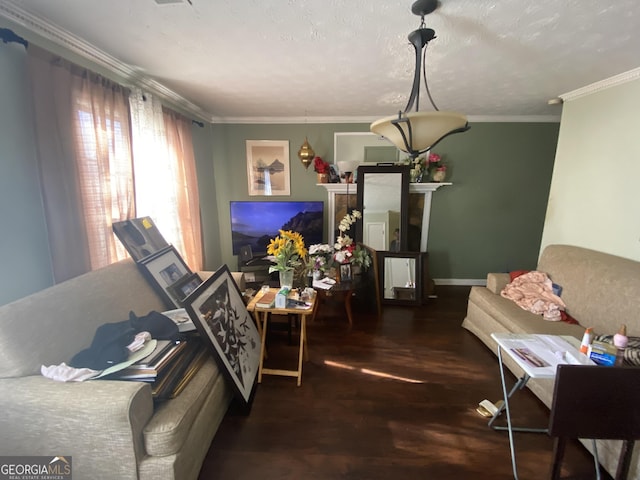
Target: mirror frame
(403, 170)
(417, 256)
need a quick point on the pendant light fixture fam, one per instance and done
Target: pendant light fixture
(306, 153)
(417, 132)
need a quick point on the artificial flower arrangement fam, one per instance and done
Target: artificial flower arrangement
(320, 257)
(344, 245)
(436, 165)
(346, 249)
(287, 251)
(320, 166)
(426, 166)
(324, 257)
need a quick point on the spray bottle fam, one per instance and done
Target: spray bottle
(586, 340)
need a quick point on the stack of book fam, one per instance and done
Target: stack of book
(169, 368)
(267, 300)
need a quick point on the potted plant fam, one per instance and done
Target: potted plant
(322, 169)
(287, 251)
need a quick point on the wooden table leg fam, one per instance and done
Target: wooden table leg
(256, 318)
(262, 347)
(347, 306)
(303, 344)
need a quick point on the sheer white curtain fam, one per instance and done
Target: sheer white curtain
(164, 172)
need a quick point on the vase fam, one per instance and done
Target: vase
(439, 175)
(415, 176)
(323, 178)
(286, 279)
(317, 274)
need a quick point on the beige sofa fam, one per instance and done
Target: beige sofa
(111, 429)
(600, 290)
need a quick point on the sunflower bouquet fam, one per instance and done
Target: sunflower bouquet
(287, 251)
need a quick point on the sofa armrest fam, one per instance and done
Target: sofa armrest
(81, 419)
(497, 281)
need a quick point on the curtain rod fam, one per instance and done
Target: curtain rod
(8, 36)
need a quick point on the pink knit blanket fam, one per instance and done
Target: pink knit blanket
(533, 292)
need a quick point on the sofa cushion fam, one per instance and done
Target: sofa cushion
(166, 432)
(515, 319)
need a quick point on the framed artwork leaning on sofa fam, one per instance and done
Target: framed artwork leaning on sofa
(218, 311)
(163, 270)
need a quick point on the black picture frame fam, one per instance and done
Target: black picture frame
(218, 311)
(345, 272)
(184, 287)
(140, 237)
(164, 269)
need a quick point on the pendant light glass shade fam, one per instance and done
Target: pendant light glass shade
(417, 132)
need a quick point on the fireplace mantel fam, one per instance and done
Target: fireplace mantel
(426, 189)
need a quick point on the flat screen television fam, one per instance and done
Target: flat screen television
(256, 223)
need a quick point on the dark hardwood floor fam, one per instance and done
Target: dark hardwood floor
(387, 399)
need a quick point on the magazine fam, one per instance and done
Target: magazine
(539, 355)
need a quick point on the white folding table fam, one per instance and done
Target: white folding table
(538, 356)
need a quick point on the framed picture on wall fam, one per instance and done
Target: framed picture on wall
(268, 167)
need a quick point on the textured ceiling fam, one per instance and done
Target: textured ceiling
(251, 60)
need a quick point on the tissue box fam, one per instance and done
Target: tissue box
(281, 297)
(602, 353)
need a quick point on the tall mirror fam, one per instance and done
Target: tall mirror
(383, 198)
(401, 278)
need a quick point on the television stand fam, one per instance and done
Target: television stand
(256, 271)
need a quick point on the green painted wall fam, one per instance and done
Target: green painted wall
(203, 152)
(490, 220)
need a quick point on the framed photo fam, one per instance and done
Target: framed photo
(268, 167)
(163, 270)
(221, 317)
(183, 287)
(140, 237)
(345, 272)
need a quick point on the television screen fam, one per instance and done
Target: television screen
(256, 223)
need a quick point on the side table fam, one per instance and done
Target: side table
(343, 292)
(261, 315)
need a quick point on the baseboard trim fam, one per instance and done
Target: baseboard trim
(466, 282)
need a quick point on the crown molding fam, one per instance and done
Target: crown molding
(298, 120)
(78, 46)
(616, 80)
